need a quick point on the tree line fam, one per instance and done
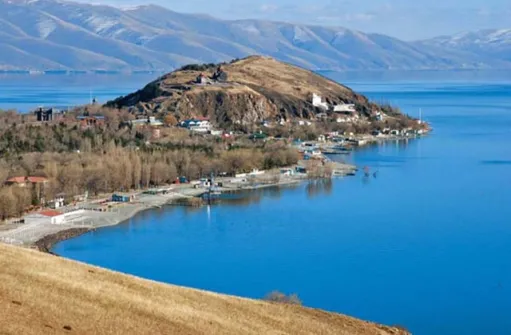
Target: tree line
(116, 157)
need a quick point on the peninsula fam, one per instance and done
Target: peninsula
(247, 123)
(202, 129)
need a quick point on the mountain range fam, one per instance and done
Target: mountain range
(41, 35)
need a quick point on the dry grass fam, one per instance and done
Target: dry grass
(282, 77)
(44, 294)
(272, 75)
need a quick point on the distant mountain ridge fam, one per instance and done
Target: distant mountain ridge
(54, 35)
(491, 43)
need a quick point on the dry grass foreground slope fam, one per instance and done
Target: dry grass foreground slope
(44, 294)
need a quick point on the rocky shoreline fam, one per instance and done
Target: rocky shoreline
(46, 243)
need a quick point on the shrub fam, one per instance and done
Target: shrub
(281, 298)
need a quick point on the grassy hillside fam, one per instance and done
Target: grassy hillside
(258, 88)
(43, 294)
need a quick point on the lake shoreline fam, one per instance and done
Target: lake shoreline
(47, 242)
(53, 234)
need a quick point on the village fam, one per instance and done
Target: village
(321, 141)
(57, 215)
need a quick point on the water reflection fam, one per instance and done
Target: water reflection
(245, 198)
(318, 187)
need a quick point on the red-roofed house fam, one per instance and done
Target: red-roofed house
(24, 181)
(47, 216)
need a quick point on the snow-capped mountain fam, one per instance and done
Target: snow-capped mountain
(53, 34)
(491, 43)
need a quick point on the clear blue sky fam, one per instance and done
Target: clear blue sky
(406, 19)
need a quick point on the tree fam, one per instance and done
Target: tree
(7, 203)
(136, 170)
(23, 199)
(146, 174)
(170, 120)
(159, 173)
(70, 178)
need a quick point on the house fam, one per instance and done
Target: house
(256, 172)
(321, 138)
(48, 216)
(316, 102)
(121, 198)
(25, 181)
(88, 121)
(181, 180)
(147, 121)
(345, 108)
(57, 202)
(50, 114)
(199, 124)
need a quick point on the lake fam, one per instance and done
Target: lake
(424, 244)
(27, 92)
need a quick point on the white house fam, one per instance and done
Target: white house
(150, 121)
(45, 217)
(316, 102)
(57, 202)
(345, 108)
(200, 126)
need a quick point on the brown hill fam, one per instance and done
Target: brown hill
(247, 91)
(44, 294)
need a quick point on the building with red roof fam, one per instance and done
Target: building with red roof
(46, 216)
(24, 181)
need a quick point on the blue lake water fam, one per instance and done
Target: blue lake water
(27, 92)
(424, 244)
